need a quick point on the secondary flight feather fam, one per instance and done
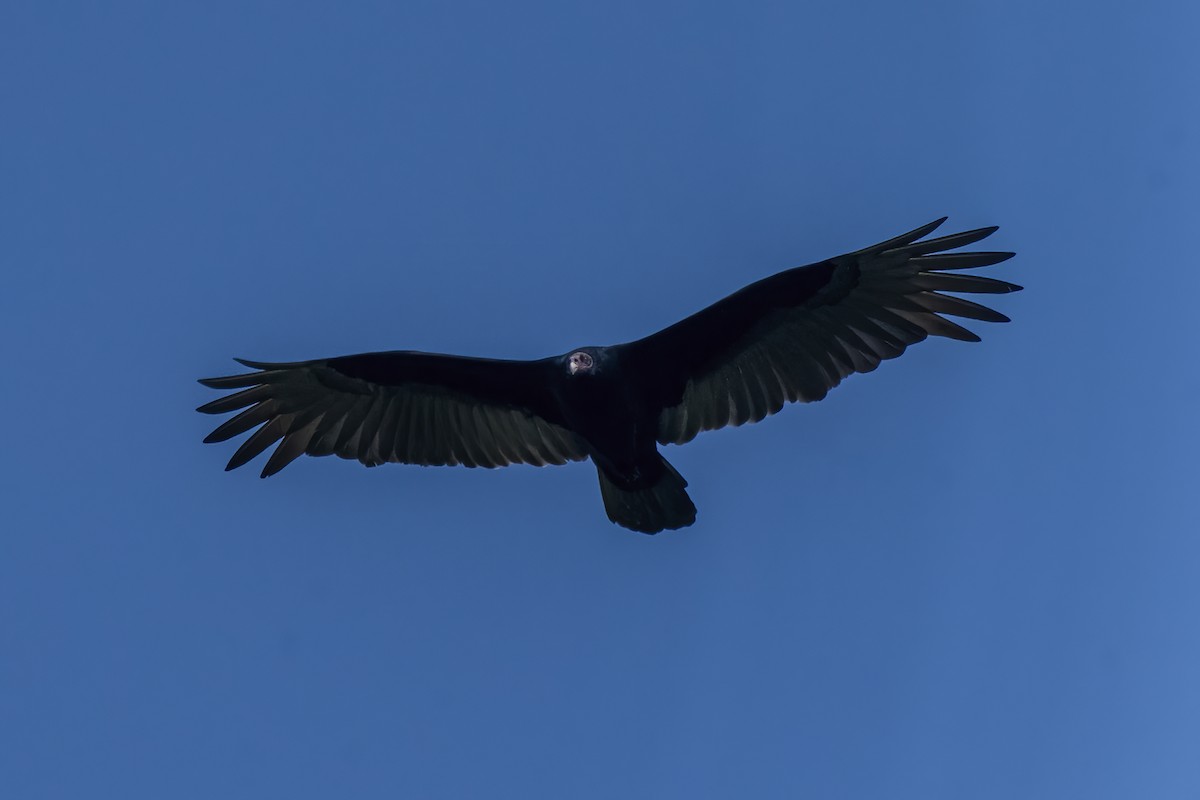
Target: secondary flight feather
(788, 338)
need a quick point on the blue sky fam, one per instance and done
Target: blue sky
(972, 573)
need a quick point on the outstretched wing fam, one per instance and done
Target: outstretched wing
(408, 407)
(795, 335)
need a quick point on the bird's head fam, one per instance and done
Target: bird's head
(582, 362)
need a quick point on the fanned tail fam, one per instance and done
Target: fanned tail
(665, 505)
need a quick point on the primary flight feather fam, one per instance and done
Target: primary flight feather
(790, 337)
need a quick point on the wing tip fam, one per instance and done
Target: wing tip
(925, 230)
(208, 409)
(237, 381)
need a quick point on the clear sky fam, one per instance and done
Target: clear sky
(974, 573)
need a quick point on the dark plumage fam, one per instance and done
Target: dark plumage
(790, 337)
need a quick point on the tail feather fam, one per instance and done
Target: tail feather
(665, 505)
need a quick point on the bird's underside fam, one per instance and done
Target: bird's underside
(787, 338)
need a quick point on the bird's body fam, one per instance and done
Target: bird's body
(611, 416)
(790, 337)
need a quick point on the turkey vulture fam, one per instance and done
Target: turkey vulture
(790, 337)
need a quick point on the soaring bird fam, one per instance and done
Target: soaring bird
(787, 338)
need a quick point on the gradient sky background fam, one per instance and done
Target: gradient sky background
(974, 573)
